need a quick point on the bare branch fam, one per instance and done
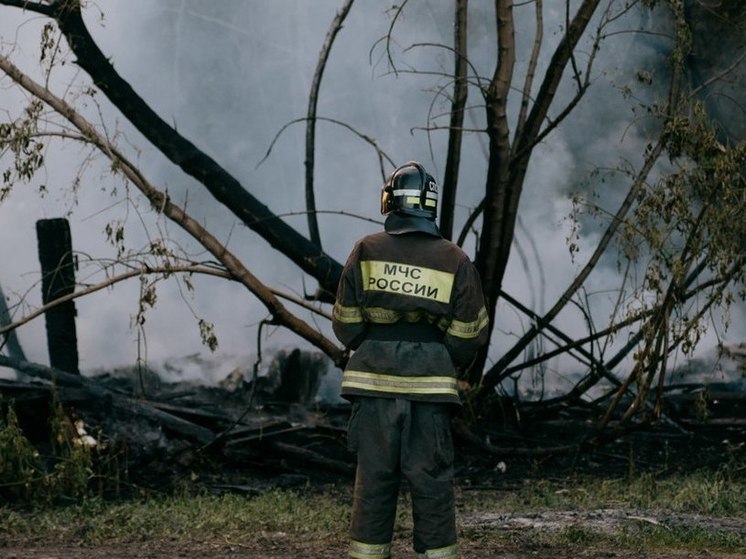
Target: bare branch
(147, 270)
(336, 25)
(182, 152)
(496, 373)
(455, 137)
(163, 204)
(397, 12)
(37, 7)
(379, 152)
(720, 75)
(562, 55)
(531, 71)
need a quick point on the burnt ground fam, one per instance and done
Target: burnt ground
(282, 546)
(248, 439)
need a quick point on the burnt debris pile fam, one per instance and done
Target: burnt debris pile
(286, 426)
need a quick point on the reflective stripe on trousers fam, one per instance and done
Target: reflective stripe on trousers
(360, 550)
(395, 437)
(448, 552)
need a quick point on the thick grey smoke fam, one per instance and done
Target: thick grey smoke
(229, 75)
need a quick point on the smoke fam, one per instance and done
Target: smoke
(230, 75)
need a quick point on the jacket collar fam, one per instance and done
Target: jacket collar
(397, 224)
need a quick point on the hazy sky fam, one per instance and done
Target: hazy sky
(229, 75)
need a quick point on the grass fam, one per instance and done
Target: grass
(186, 517)
(708, 494)
(711, 493)
(316, 515)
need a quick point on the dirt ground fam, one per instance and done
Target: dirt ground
(285, 547)
(317, 550)
(481, 542)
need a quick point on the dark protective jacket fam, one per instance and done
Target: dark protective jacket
(410, 305)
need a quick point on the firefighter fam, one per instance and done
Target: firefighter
(410, 308)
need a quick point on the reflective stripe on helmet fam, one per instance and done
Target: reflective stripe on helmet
(407, 192)
(471, 329)
(399, 384)
(416, 202)
(410, 190)
(415, 193)
(360, 550)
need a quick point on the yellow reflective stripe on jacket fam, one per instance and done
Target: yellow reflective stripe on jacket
(404, 279)
(399, 384)
(449, 552)
(347, 315)
(469, 330)
(360, 550)
(381, 315)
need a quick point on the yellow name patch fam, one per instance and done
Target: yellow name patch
(415, 281)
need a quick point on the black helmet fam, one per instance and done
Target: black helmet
(410, 190)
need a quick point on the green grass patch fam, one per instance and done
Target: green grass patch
(312, 514)
(186, 518)
(712, 493)
(704, 494)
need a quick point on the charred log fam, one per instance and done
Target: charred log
(265, 442)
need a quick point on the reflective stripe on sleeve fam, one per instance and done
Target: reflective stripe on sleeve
(399, 384)
(469, 330)
(347, 315)
(360, 550)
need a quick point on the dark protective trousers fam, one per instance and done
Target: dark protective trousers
(395, 438)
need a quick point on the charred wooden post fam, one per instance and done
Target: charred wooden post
(58, 280)
(299, 378)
